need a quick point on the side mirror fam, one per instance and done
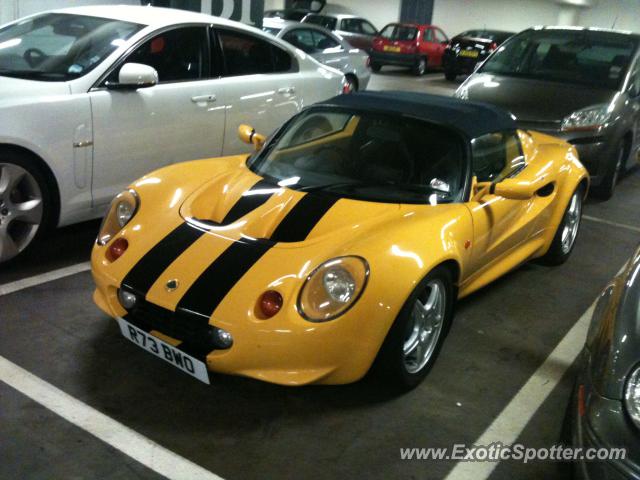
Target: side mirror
(248, 135)
(136, 75)
(515, 189)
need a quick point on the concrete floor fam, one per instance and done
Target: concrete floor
(244, 429)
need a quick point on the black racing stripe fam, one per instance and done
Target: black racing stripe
(305, 215)
(250, 200)
(144, 273)
(206, 293)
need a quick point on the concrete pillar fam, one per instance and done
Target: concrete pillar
(8, 11)
(568, 15)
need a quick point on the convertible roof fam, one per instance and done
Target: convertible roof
(474, 119)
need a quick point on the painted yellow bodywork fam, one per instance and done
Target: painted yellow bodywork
(480, 239)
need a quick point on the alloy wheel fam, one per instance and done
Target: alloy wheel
(425, 327)
(572, 223)
(21, 210)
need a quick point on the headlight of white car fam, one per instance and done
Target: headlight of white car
(590, 118)
(332, 288)
(632, 396)
(122, 210)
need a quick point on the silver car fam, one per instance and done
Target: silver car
(326, 47)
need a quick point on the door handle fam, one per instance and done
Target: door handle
(286, 90)
(204, 99)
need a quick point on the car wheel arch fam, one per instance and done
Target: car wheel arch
(44, 168)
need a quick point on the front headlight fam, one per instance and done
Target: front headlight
(122, 210)
(332, 288)
(590, 118)
(632, 396)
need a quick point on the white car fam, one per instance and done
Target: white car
(92, 98)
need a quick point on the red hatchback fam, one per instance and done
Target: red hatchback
(409, 45)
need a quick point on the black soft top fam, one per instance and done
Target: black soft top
(474, 119)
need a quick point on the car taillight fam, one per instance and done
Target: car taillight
(493, 46)
(347, 88)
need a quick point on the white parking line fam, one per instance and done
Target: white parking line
(147, 452)
(609, 222)
(507, 427)
(29, 282)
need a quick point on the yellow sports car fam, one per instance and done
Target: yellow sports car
(340, 245)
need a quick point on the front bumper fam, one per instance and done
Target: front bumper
(285, 349)
(604, 425)
(390, 58)
(594, 151)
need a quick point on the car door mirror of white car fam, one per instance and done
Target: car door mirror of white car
(134, 76)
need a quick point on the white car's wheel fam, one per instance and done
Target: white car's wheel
(23, 193)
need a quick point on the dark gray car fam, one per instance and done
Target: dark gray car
(579, 84)
(605, 408)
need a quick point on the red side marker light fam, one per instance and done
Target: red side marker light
(467, 244)
(270, 303)
(117, 248)
(582, 407)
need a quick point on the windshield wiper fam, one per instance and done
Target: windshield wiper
(420, 189)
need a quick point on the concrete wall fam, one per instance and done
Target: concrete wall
(622, 14)
(455, 16)
(13, 9)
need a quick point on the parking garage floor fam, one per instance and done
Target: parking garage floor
(243, 429)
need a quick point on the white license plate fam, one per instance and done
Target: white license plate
(168, 353)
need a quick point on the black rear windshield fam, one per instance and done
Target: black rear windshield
(399, 32)
(327, 22)
(59, 47)
(365, 155)
(492, 35)
(598, 59)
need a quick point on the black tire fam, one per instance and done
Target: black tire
(389, 366)
(10, 158)
(450, 75)
(375, 67)
(420, 68)
(558, 253)
(615, 169)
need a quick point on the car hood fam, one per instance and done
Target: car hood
(533, 100)
(12, 89)
(239, 204)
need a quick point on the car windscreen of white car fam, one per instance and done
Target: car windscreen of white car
(58, 46)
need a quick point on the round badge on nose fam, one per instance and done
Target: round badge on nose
(172, 285)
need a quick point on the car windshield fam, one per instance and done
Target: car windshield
(486, 35)
(364, 155)
(597, 59)
(271, 30)
(399, 32)
(327, 22)
(59, 47)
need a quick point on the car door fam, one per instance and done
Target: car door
(432, 47)
(499, 224)
(181, 118)
(358, 32)
(441, 40)
(261, 83)
(329, 50)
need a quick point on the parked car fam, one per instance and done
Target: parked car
(416, 46)
(355, 30)
(579, 84)
(342, 243)
(604, 410)
(325, 47)
(469, 48)
(94, 97)
(293, 14)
